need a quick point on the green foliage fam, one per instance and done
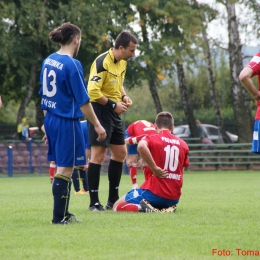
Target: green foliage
(210, 215)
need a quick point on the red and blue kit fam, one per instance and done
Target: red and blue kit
(137, 130)
(254, 64)
(170, 153)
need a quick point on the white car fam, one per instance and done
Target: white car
(212, 131)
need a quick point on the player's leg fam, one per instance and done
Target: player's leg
(84, 179)
(75, 180)
(115, 169)
(129, 202)
(65, 147)
(98, 154)
(118, 154)
(132, 161)
(52, 170)
(61, 194)
(256, 137)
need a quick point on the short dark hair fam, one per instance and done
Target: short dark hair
(164, 120)
(124, 38)
(65, 33)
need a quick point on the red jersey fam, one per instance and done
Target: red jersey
(139, 129)
(254, 64)
(171, 153)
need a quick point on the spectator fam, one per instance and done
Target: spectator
(109, 101)
(134, 133)
(200, 128)
(166, 156)
(208, 142)
(1, 102)
(64, 100)
(250, 70)
(23, 130)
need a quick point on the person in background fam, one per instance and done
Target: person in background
(80, 173)
(200, 128)
(209, 144)
(109, 101)
(64, 100)
(166, 156)
(1, 103)
(23, 130)
(134, 133)
(250, 70)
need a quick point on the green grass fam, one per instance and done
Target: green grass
(217, 210)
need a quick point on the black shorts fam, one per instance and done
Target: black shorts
(112, 123)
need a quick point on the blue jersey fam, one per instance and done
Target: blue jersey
(84, 126)
(63, 87)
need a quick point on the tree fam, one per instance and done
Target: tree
(25, 27)
(241, 107)
(206, 17)
(185, 101)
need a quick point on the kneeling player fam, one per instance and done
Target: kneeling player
(166, 155)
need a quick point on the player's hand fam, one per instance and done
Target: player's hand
(128, 161)
(127, 100)
(45, 139)
(139, 163)
(83, 167)
(159, 172)
(127, 140)
(121, 107)
(257, 97)
(101, 133)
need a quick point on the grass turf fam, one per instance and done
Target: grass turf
(218, 210)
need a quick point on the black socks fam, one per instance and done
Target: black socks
(61, 195)
(114, 176)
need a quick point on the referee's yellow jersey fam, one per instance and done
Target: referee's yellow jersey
(106, 77)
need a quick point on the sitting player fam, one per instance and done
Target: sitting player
(166, 156)
(134, 133)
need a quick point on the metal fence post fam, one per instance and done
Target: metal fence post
(30, 149)
(10, 161)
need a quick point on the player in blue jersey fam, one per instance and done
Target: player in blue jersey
(64, 100)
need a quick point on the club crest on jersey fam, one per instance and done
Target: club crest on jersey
(95, 78)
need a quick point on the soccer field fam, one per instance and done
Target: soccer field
(217, 216)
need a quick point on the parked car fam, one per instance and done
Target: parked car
(212, 131)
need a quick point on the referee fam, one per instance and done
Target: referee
(109, 101)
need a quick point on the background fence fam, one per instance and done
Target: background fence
(31, 157)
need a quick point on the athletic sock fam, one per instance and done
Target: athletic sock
(133, 173)
(114, 176)
(67, 206)
(75, 179)
(60, 191)
(84, 179)
(126, 206)
(93, 182)
(52, 170)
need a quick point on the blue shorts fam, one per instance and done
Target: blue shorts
(66, 144)
(256, 137)
(136, 195)
(131, 148)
